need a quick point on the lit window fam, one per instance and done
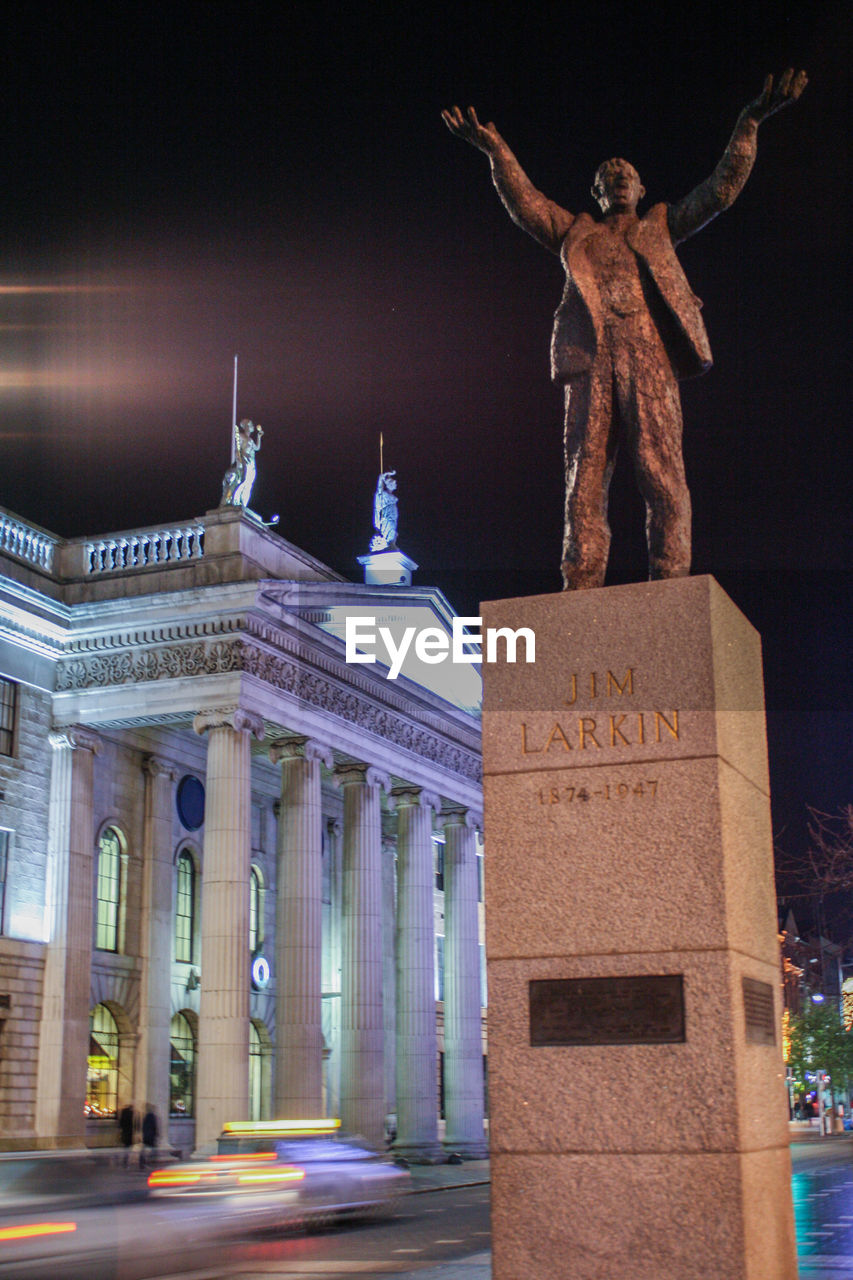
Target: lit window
(256, 910)
(8, 702)
(182, 1068)
(102, 1065)
(185, 908)
(255, 1064)
(109, 891)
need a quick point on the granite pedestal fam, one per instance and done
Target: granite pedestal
(638, 1117)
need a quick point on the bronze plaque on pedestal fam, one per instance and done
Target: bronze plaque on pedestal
(623, 1010)
(758, 1012)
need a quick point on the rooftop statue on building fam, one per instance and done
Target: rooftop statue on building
(385, 513)
(627, 329)
(240, 477)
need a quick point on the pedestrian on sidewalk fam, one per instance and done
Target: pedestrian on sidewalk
(150, 1135)
(127, 1130)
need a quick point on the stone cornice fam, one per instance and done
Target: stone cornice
(309, 646)
(158, 633)
(321, 681)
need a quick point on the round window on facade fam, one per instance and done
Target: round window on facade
(190, 802)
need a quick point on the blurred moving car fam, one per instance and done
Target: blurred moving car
(314, 1170)
(69, 1215)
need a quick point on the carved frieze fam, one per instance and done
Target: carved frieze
(219, 657)
(169, 662)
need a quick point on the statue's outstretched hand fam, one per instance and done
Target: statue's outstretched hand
(772, 99)
(483, 136)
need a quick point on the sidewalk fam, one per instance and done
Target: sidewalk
(448, 1177)
(479, 1267)
(445, 1177)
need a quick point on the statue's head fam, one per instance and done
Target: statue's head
(617, 187)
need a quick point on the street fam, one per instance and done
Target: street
(822, 1186)
(439, 1232)
(427, 1229)
(453, 1225)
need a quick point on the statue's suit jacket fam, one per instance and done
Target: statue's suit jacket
(676, 309)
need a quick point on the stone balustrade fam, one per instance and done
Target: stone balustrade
(26, 541)
(144, 548)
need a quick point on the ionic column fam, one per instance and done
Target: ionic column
(331, 978)
(298, 934)
(362, 1030)
(223, 1024)
(155, 1003)
(69, 892)
(463, 1048)
(389, 963)
(417, 1052)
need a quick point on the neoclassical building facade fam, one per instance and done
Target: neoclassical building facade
(241, 875)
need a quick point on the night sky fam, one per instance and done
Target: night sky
(184, 182)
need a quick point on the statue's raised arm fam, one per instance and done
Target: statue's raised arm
(727, 181)
(528, 207)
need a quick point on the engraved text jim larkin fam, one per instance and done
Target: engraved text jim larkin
(603, 729)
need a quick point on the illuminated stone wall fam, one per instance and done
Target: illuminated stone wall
(21, 981)
(24, 784)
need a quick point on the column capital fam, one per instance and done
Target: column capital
(75, 737)
(354, 771)
(157, 767)
(460, 816)
(230, 718)
(295, 747)
(413, 796)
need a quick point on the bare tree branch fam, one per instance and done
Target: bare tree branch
(826, 866)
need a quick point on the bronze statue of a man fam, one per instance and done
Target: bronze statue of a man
(627, 328)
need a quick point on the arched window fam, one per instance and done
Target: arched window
(102, 1065)
(185, 908)
(256, 909)
(108, 906)
(181, 1068)
(255, 1073)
